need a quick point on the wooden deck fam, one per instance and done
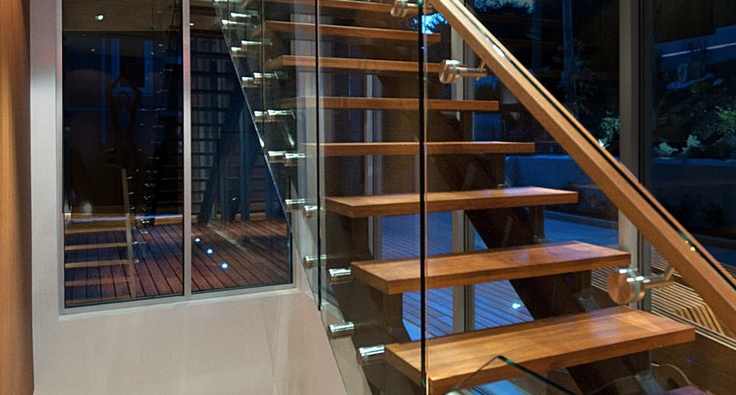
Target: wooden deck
(227, 255)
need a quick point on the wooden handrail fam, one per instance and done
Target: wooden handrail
(683, 252)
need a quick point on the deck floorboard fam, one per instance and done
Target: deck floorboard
(254, 250)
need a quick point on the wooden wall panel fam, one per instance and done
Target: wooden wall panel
(16, 349)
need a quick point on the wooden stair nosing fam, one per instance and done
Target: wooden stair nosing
(110, 227)
(405, 104)
(412, 148)
(365, 65)
(93, 246)
(110, 262)
(451, 270)
(402, 204)
(541, 346)
(86, 223)
(307, 30)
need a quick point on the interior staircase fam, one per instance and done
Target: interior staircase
(367, 71)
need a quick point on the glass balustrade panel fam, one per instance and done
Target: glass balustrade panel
(497, 149)
(689, 151)
(239, 232)
(563, 97)
(367, 105)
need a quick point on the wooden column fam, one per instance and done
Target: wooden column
(16, 347)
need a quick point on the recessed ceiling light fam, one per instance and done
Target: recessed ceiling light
(100, 17)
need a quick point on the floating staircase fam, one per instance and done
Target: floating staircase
(368, 289)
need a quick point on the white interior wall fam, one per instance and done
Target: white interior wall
(269, 343)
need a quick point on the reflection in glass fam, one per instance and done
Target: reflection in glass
(124, 148)
(573, 53)
(692, 144)
(122, 151)
(238, 233)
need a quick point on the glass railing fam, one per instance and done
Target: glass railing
(567, 157)
(435, 219)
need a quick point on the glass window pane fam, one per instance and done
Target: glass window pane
(238, 227)
(693, 142)
(122, 117)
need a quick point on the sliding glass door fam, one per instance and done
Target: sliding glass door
(165, 188)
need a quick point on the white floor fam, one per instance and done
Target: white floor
(267, 344)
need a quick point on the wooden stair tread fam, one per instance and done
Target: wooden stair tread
(110, 262)
(408, 203)
(94, 246)
(98, 281)
(364, 65)
(98, 222)
(451, 270)
(541, 346)
(433, 148)
(307, 31)
(83, 229)
(79, 302)
(406, 104)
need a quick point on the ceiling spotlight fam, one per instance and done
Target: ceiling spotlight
(100, 17)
